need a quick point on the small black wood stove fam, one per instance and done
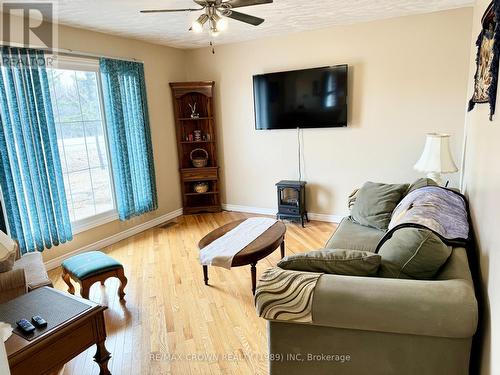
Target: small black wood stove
(292, 201)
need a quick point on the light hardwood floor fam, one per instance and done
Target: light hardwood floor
(170, 316)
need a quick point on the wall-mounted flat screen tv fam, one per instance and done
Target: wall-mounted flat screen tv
(309, 98)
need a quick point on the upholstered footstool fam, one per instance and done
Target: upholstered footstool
(89, 268)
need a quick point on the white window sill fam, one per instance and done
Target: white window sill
(94, 221)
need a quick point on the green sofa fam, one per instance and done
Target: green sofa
(372, 325)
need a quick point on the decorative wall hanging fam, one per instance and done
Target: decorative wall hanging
(488, 44)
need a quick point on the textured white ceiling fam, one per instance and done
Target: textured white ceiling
(122, 17)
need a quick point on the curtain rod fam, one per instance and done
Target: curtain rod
(71, 52)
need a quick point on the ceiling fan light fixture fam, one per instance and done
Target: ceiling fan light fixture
(222, 23)
(197, 25)
(213, 25)
(216, 14)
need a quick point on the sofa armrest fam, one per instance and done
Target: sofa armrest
(12, 284)
(446, 308)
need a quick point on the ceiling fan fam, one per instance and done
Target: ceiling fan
(215, 13)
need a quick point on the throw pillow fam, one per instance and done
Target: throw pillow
(7, 252)
(352, 199)
(413, 253)
(421, 182)
(337, 261)
(375, 203)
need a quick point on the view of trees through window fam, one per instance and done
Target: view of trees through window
(82, 142)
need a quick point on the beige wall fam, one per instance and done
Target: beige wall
(407, 77)
(482, 186)
(162, 65)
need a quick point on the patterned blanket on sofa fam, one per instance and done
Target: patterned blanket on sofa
(439, 209)
(286, 295)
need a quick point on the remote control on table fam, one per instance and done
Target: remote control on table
(38, 321)
(25, 326)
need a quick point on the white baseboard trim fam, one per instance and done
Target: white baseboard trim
(270, 211)
(248, 209)
(56, 262)
(325, 217)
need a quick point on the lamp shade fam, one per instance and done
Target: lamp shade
(436, 157)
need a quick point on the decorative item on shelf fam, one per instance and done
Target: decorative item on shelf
(199, 161)
(436, 158)
(187, 138)
(194, 114)
(197, 135)
(200, 187)
(190, 137)
(208, 137)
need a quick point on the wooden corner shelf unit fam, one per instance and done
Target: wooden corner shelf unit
(196, 133)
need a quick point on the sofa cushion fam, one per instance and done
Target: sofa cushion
(337, 262)
(412, 253)
(350, 235)
(420, 183)
(34, 269)
(375, 203)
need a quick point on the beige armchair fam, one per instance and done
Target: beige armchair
(27, 274)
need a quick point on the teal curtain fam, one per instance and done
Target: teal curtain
(30, 167)
(129, 136)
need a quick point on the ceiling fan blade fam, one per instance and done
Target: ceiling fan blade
(256, 21)
(247, 3)
(169, 10)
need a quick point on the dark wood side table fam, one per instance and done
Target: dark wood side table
(58, 345)
(258, 249)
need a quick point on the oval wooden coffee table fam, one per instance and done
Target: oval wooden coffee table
(258, 249)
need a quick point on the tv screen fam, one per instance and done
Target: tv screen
(310, 98)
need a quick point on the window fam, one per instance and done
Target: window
(76, 100)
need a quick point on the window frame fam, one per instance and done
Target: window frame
(91, 65)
